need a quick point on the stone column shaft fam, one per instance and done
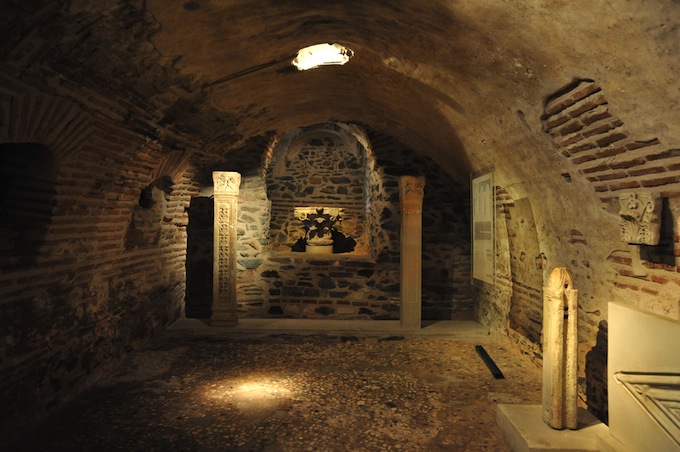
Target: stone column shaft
(560, 351)
(226, 186)
(411, 190)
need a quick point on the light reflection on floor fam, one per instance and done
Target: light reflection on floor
(254, 396)
(293, 394)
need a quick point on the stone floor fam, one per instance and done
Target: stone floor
(272, 390)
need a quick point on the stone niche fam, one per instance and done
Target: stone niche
(27, 197)
(321, 167)
(344, 167)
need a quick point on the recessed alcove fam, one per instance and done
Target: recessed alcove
(356, 171)
(145, 225)
(324, 166)
(27, 199)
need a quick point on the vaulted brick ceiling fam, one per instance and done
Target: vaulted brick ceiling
(462, 82)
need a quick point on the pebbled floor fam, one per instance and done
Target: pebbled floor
(291, 392)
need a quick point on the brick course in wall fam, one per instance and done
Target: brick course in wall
(86, 296)
(589, 134)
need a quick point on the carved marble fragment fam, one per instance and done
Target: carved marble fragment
(560, 341)
(640, 218)
(319, 223)
(658, 395)
(226, 186)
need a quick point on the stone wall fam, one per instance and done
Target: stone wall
(614, 161)
(599, 150)
(86, 273)
(359, 285)
(526, 268)
(597, 142)
(367, 286)
(317, 169)
(328, 286)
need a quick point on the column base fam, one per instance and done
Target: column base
(410, 324)
(410, 315)
(223, 319)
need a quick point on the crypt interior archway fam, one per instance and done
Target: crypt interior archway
(346, 165)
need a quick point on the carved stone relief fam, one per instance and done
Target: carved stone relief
(224, 305)
(643, 374)
(226, 182)
(659, 395)
(319, 223)
(640, 218)
(224, 248)
(412, 189)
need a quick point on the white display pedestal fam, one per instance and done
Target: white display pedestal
(524, 430)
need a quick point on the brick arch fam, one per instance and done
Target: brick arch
(582, 125)
(53, 121)
(288, 145)
(173, 165)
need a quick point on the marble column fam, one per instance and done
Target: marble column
(560, 351)
(226, 186)
(411, 190)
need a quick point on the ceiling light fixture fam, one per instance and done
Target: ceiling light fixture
(321, 55)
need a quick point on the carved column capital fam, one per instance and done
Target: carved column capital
(226, 182)
(411, 192)
(640, 218)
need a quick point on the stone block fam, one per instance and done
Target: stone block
(250, 263)
(643, 379)
(327, 283)
(312, 292)
(525, 431)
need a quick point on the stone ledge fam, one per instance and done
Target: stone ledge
(323, 257)
(524, 430)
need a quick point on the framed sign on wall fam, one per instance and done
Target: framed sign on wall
(483, 228)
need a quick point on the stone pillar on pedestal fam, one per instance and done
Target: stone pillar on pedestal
(226, 186)
(560, 352)
(411, 191)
